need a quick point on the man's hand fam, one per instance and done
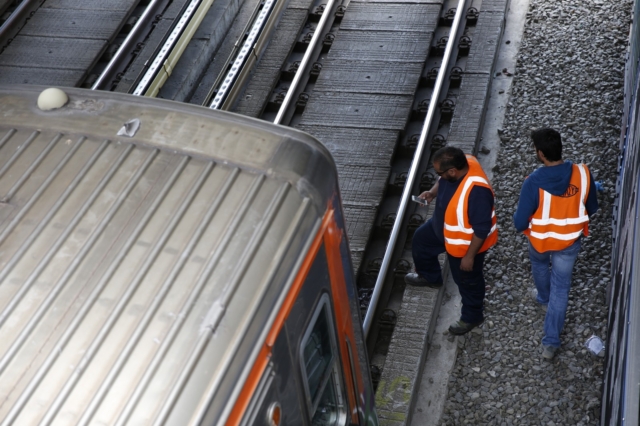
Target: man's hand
(466, 264)
(428, 195)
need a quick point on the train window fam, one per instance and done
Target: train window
(322, 377)
(328, 411)
(318, 356)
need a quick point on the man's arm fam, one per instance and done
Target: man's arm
(527, 206)
(592, 200)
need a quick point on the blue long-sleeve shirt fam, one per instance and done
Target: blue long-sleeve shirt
(554, 180)
(480, 208)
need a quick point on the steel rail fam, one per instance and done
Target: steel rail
(433, 102)
(247, 55)
(125, 47)
(5, 6)
(305, 62)
(20, 13)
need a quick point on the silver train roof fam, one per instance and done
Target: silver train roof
(137, 270)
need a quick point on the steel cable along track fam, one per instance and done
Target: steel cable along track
(398, 217)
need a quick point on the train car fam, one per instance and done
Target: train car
(621, 388)
(167, 264)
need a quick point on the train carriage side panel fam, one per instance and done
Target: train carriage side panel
(621, 387)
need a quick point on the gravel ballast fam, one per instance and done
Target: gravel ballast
(569, 76)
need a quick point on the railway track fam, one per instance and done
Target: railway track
(430, 116)
(7, 7)
(388, 258)
(388, 255)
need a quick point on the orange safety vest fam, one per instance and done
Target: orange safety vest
(457, 230)
(560, 220)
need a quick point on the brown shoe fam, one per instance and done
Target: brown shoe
(460, 327)
(416, 280)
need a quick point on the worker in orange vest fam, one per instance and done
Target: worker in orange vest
(464, 233)
(556, 202)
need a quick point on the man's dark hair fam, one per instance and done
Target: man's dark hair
(549, 142)
(450, 157)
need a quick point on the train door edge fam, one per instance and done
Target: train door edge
(355, 372)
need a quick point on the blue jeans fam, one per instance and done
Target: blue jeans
(552, 272)
(426, 246)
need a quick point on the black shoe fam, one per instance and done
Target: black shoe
(460, 327)
(416, 280)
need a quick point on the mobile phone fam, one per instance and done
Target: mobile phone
(418, 200)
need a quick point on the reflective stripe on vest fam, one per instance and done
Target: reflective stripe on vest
(457, 235)
(564, 230)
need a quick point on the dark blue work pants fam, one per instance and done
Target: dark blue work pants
(426, 247)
